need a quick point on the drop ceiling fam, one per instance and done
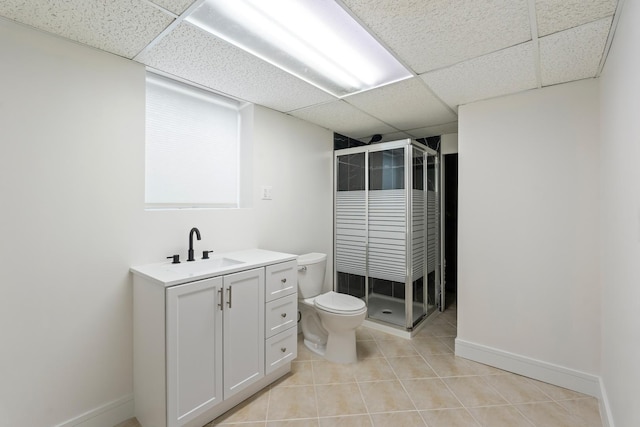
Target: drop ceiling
(458, 52)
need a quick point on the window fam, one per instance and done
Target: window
(192, 148)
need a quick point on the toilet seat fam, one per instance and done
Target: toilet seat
(334, 302)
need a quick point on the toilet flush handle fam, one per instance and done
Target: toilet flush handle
(302, 268)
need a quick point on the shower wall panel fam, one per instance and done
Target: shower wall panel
(351, 232)
(432, 229)
(387, 235)
(418, 232)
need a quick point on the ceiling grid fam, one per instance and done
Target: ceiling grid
(457, 52)
(535, 42)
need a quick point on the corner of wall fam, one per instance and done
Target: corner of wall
(605, 407)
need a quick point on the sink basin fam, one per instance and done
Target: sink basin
(204, 266)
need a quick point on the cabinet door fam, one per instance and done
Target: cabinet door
(194, 349)
(243, 330)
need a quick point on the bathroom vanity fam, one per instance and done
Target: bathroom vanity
(210, 333)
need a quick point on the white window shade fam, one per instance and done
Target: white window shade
(192, 147)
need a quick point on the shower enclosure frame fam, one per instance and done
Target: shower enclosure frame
(409, 146)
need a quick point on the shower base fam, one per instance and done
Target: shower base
(391, 310)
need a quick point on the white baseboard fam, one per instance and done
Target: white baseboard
(532, 368)
(107, 415)
(605, 407)
(560, 376)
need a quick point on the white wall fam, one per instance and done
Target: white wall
(620, 221)
(299, 217)
(449, 143)
(73, 220)
(528, 220)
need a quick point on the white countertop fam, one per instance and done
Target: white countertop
(168, 274)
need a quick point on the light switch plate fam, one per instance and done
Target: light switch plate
(266, 192)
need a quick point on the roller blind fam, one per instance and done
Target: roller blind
(192, 146)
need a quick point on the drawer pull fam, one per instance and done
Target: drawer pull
(284, 315)
(283, 349)
(284, 280)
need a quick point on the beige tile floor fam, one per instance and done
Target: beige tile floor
(417, 382)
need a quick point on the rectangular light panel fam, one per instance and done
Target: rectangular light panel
(315, 40)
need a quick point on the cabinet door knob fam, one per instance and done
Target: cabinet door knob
(284, 280)
(284, 315)
(283, 349)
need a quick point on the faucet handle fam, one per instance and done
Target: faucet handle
(205, 254)
(175, 258)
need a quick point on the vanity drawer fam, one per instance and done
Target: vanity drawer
(282, 280)
(281, 349)
(281, 314)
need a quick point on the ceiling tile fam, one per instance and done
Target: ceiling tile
(507, 71)
(558, 15)
(404, 105)
(343, 118)
(437, 33)
(123, 27)
(175, 6)
(434, 130)
(198, 56)
(463, 51)
(573, 54)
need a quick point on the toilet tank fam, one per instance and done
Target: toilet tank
(311, 270)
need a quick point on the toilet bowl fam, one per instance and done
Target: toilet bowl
(328, 320)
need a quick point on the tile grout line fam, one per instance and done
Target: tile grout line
(511, 404)
(476, 372)
(364, 402)
(266, 415)
(315, 392)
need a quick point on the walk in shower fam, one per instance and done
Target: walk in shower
(387, 245)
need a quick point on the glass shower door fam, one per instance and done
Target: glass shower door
(387, 232)
(433, 285)
(418, 236)
(350, 225)
(425, 243)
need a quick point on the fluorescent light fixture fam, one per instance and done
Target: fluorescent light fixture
(315, 40)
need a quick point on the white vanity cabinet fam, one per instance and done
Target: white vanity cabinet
(203, 344)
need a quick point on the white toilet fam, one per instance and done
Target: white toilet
(329, 320)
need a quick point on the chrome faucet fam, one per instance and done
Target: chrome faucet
(193, 230)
